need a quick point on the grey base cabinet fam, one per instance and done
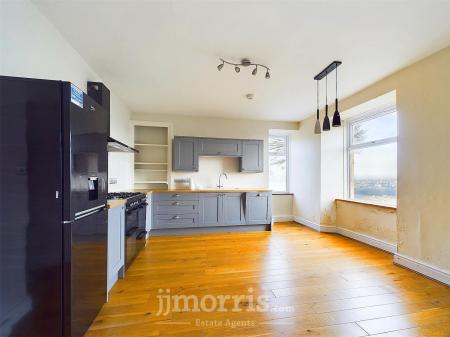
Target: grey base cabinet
(258, 208)
(116, 244)
(221, 209)
(196, 210)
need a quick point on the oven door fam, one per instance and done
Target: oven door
(142, 233)
(131, 231)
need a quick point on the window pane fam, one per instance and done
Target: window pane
(277, 173)
(373, 129)
(374, 174)
(277, 145)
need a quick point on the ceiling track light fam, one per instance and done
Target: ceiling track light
(336, 117)
(245, 63)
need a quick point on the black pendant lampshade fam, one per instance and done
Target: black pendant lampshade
(336, 116)
(326, 120)
(317, 128)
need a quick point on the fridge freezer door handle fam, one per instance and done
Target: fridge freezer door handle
(90, 212)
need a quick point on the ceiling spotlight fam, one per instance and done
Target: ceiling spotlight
(245, 63)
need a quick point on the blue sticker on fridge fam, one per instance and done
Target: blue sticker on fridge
(76, 95)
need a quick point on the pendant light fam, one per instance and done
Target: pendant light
(336, 116)
(326, 120)
(317, 128)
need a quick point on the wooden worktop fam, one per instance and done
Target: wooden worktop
(115, 203)
(203, 190)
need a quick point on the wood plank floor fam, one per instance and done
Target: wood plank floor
(315, 284)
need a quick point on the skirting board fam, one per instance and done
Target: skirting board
(423, 268)
(307, 223)
(282, 218)
(369, 240)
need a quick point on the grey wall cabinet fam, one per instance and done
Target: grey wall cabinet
(185, 154)
(258, 208)
(116, 244)
(252, 156)
(220, 147)
(186, 151)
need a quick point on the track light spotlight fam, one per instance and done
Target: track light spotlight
(244, 63)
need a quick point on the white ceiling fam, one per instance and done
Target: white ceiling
(161, 56)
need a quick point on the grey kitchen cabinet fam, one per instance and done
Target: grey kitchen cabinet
(148, 217)
(116, 244)
(185, 154)
(220, 147)
(252, 156)
(210, 209)
(258, 208)
(186, 151)
(221, 209)
(175, 210)
(233, 209)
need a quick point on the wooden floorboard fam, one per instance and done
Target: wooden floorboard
(314, 284)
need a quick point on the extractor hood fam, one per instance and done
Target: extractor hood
(116, 146)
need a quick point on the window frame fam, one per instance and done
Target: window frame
(369, 144)
(287, 154)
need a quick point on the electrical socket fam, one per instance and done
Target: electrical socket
(113, 181)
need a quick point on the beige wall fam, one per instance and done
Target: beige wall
(423, 104)
(211, 167)
(282, 205)
(374, 221)
(30, 46)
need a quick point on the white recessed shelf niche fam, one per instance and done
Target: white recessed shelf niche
(152, 163)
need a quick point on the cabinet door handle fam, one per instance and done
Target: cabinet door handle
(176, 195)
(258, 195)
(176, 217)
(176, 203)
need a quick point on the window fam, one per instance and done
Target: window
(372, 156)
(278, 163)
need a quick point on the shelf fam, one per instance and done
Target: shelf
(152, 182)
(145, 163)
(155, 145)
(150, 170)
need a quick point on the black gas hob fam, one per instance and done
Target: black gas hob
(123, 195)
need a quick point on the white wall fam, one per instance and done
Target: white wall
(305, 172)
(30, 46)
(211, 167)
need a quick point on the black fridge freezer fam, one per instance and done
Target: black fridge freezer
(53, 220)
